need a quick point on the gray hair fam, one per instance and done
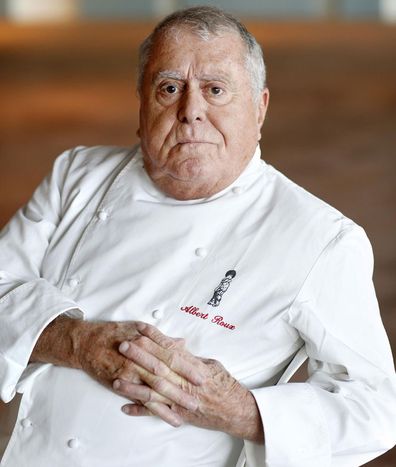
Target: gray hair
(205, 21)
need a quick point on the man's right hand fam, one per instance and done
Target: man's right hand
(93, 346)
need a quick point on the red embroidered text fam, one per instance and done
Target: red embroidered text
(193, 310)
(220, 322)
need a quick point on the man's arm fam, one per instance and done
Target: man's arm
(28, 302)
(58, 343)
(346, 411)
(88, 346)
(93, 347)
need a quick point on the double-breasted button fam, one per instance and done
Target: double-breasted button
(157, 314)
(237, 190)
(26, 423)
(103, 215)
(73, 443)
(73, 282)
(201, 252)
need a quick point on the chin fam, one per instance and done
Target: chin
(190, 169)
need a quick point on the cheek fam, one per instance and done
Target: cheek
(160, 125)
(241, 128)
(229, 126)
(156, 123)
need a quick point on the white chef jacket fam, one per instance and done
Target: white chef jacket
(98, 240)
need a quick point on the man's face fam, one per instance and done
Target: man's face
(199, 122)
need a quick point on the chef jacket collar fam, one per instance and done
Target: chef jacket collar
(153, 194)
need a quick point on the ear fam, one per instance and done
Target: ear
(138, 132)
(262, 110)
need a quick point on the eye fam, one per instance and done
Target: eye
(170, 89)
(216, 91)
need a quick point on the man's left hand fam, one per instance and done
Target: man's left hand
(224, 404)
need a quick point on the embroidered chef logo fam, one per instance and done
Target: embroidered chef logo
(222, 288)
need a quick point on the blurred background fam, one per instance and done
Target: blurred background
(67, 78)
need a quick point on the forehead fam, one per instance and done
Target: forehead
(182, 50)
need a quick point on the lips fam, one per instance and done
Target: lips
(191, 141)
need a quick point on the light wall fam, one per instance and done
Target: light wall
(138, 9)
(267, 8)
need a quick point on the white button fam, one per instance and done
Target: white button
(237, 190)
(26, 423)
(157, 314)
(73, 443)
(201, 252)
(73, 282)
(103, 215)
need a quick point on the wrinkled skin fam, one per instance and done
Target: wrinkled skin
(223, 403)
(98, 355)
(92, 346)
(199, 120)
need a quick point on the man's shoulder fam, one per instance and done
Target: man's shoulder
(92, 156)
(303, 210)
(86, 169)
(96, 163)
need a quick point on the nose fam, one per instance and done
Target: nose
(192, 107)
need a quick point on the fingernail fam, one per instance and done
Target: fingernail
(124, 346)
(198, 380)
(140, 326)
(177, 421)
(125, 409)
(116, 384)
(192, 404)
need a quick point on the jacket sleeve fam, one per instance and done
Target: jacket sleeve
(27, 301)
(345, 413)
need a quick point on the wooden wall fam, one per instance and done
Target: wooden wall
(330, 127)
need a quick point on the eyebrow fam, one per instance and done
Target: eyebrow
(170, 74)
(173, 74)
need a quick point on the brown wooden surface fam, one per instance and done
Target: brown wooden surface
(331, 125)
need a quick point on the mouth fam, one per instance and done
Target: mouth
(193, 141)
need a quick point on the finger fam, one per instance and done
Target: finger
(138, 392)
(157, 390)
(166, 343)
(136, 410)
(165, 413)
(159, 361)
(127, 374)
(155, 335)
(154, 408)
(146, 359)
(150, 356)
(180, 342)
(171, 391)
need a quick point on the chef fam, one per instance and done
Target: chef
(106, 332)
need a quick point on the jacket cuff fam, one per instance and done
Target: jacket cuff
(25, 312)
(295, 429)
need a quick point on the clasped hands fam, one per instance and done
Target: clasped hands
(162, 378)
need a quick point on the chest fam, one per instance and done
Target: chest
(213, 273)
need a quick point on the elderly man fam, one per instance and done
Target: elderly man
(106, 323)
